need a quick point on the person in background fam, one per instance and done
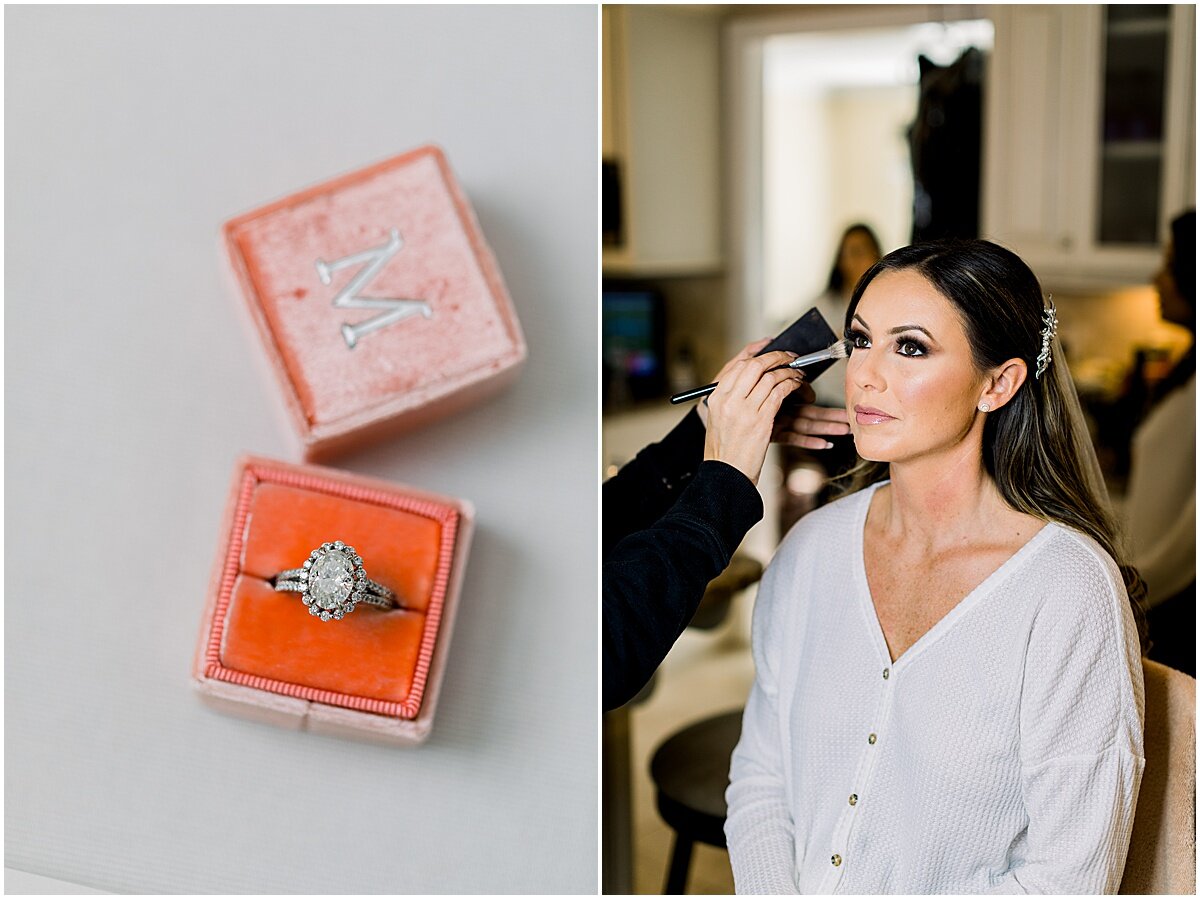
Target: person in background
(675, 514)
(948, 692)
(1160, 501)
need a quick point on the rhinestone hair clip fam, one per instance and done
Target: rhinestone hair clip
(1049, 329)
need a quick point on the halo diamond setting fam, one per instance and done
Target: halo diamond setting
(332, 582)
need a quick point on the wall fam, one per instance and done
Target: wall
(831, 158)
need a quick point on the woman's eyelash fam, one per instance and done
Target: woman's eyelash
(906, 346)
(854, 336)
(921, 349)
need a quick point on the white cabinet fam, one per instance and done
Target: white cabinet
(1090, 137)
(660, 127)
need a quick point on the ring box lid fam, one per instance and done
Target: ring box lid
(379, 302)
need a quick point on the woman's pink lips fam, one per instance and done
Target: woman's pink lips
(865, 415)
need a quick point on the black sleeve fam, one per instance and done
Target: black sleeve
(645, 488)
(654, 579)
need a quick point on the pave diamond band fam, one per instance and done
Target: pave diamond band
(374, 594)
(333, 582)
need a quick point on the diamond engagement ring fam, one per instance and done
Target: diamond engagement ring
(333, 582)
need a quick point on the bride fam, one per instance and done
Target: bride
(948, 695)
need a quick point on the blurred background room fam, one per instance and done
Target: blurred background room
(756, 160)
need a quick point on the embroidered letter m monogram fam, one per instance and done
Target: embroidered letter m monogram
(372, 261)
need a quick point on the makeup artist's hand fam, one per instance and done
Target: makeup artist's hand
(741, 411)
(799, 423)
(744, 353)
(807, 426)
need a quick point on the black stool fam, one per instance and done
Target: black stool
(690, 771)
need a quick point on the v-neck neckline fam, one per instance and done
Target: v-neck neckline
(947, 621)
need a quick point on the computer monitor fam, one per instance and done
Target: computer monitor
(633, 345)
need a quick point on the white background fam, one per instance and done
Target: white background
(133, 382)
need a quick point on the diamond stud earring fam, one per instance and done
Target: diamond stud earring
(984, 407)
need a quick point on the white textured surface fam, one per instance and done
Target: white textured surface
(19, 883)
(133, 382)
(1007, 749)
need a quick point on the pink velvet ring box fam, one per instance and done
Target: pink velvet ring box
(379, 302)
(375, 672)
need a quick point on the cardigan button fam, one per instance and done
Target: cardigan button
(854, 799)
(837, 860)
(887, 672)
(871, 739)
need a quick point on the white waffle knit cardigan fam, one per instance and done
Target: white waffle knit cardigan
(1001, 753)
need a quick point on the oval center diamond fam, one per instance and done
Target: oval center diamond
(331, 579)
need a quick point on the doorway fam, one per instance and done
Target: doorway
(820, 107)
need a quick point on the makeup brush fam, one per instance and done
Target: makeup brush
(838, 350)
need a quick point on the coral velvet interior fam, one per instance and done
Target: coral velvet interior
(371, 653)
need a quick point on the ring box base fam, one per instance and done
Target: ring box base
(374, 674)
